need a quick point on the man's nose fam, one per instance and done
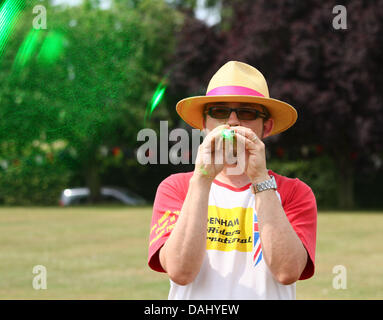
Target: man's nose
(233, 119)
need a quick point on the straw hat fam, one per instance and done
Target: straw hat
(237, 82)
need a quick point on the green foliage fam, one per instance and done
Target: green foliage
(33, 175)
(87, 80)
(319, 173)
(92, 72)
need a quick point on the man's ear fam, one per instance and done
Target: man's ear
(268, 126)
(204, 123)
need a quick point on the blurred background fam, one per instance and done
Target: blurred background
(79, 80)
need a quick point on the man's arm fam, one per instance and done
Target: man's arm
(282, 249)
(183, 252)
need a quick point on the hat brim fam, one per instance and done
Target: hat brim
(283, 114)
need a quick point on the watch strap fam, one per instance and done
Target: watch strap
(264, 185)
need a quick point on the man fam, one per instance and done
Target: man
(247, 235)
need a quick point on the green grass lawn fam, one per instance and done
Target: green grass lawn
(101, 253)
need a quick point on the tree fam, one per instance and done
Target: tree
(86, 79)
(332, 76)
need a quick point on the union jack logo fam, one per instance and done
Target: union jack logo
(257, 250)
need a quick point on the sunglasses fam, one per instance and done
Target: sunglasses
(243, 113)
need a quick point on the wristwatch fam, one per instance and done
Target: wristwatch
(264, 185)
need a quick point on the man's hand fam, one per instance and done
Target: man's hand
(255, 155)
(210, 160)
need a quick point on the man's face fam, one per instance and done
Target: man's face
(261, 127)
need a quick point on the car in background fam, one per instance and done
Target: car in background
(109, 195)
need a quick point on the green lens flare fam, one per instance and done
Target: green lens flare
(52, 48)
(28, 49)
(47, 50)
(155, 101)
(9, 14)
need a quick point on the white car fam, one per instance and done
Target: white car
(108, 195)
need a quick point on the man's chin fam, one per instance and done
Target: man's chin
(233, 169)
(231, 165)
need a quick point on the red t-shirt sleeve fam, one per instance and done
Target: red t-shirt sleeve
(299, 204)
(168, 202)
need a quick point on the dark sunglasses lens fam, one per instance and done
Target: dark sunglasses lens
(247, 114)
(219, 112)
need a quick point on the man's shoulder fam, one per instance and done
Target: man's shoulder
(294, 193)
(289, 185)
(177, 180)
(174, 186)
(179, 177)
